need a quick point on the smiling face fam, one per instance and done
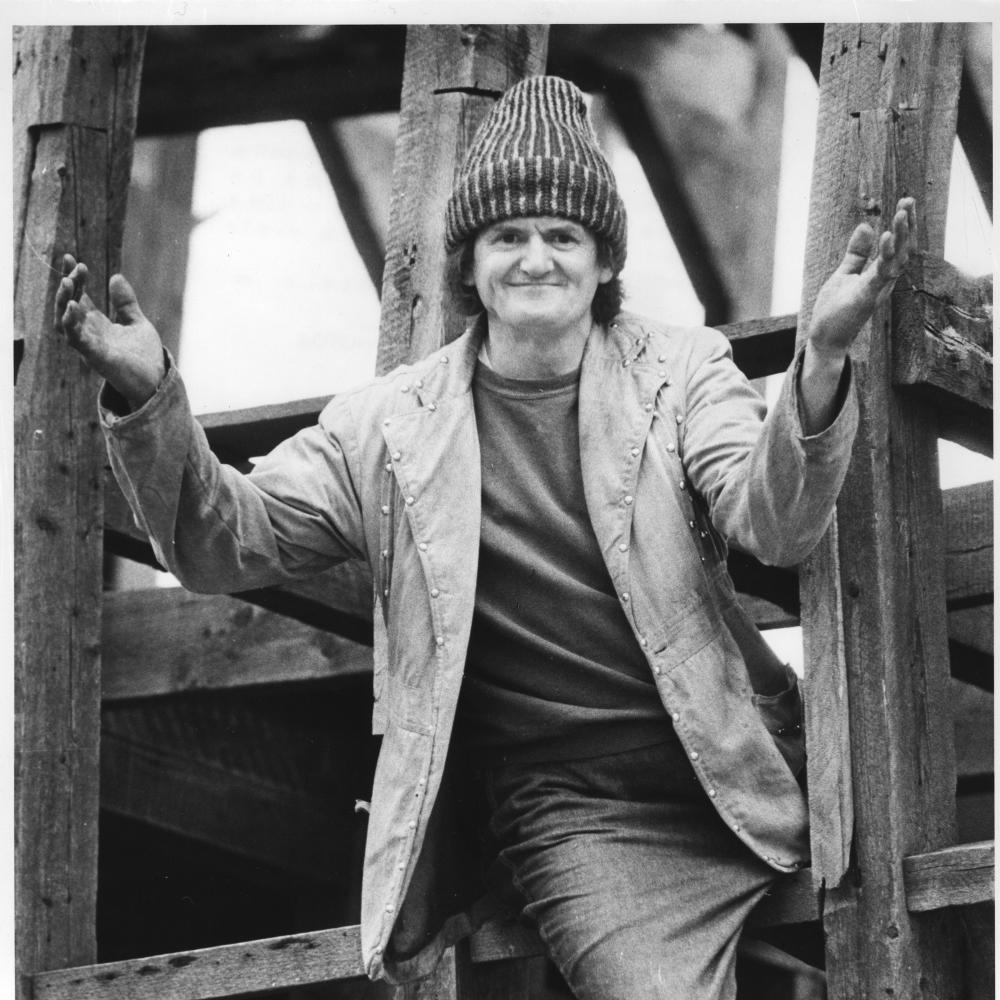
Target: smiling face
(537, 274)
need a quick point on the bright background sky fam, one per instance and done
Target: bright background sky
(278, 305)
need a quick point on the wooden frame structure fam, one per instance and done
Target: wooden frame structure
(903, 905)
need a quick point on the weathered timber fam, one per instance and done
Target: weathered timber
(975, 107)
(208, 973)
(881, 776)
(953, 876)
(949, 360)
(452, 76)
(968, 526)
(700, 137)
(972, 709)
(294, 832)
(762, 346)
(347, 187)
(203, 77)
(166, 641)
(74, 112)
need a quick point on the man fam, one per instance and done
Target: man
(545, 505)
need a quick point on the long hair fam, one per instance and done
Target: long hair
(607, 303)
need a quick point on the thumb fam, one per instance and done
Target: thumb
(124, 305)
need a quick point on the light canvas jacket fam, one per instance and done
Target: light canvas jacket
(677, 458)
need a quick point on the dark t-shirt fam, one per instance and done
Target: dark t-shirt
(554, 671)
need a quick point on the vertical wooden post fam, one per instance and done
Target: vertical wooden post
(75, 93)
(882, 776)
(451, 77)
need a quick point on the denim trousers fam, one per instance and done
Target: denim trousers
(636, 886)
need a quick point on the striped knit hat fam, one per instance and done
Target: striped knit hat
(536, 154)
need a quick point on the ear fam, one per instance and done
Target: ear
(605, 275)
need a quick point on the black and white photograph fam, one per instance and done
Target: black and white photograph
(501, 511)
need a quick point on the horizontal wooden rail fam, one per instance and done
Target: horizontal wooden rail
(211, 973)
(955, 876)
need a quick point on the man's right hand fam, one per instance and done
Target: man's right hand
(129, 352)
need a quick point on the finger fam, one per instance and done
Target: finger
(79, 277)
(889, 263)
(72, 321)
(68, 263)
(859, 248)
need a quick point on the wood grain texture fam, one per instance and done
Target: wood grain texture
(873, 596)
(74, 98)
(208, 973)
(166, 641)
(953, 876)
(451, 77)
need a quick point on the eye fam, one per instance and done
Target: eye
(564, 238)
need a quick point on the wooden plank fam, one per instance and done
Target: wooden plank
(165, 641)
(952, 876)
(207, 973)
(975, 107)
(451, 76)
(762, 346)
(873, 594)
(204, 77)
(294, 832)
(347, 188)
(73, 115)
(968, 525)
(972, 710)
(700, 136)
(949, 359)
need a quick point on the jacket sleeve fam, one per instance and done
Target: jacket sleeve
(770, 489)
(218, 530)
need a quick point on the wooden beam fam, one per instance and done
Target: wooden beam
(293, 831)
(348, 190)
(975, 107)
(204, 77)
(74, 93)
(968, 540)
(952, 876)
(881, 775)
(700, 136)
(949, 358)
(165, 641)
(209, 973)
(452, 75)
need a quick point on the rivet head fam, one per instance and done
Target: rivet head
(396, 456)
(385, 423)
(388, 466)
(389, 907)
(737, 827)
(662, 374)
(692, 524)
(712, 793)
(432, 407)
(626, 363)
(439, 641)
(412, 824)
(420, 383)
(643, 641)
(694, 755)
(678, 418)
(656, 670)
(629, 498)
(405, 388)
(435, 592)
(670, 446)
(635, 452)
(647, 407)
(622, 547)
(410, 501)
(385, 508)
(676, 716)
(662, 358)
(626, 597)
(444, 359)
(385, 553)
(682, 485)
(422, 546)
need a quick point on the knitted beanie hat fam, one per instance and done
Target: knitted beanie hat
(536, 154)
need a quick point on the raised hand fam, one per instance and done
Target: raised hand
(849, 297)
(845, 303)
(127, 352)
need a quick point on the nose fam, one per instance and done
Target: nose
(536, 259)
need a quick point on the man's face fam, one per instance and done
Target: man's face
(538, 273)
